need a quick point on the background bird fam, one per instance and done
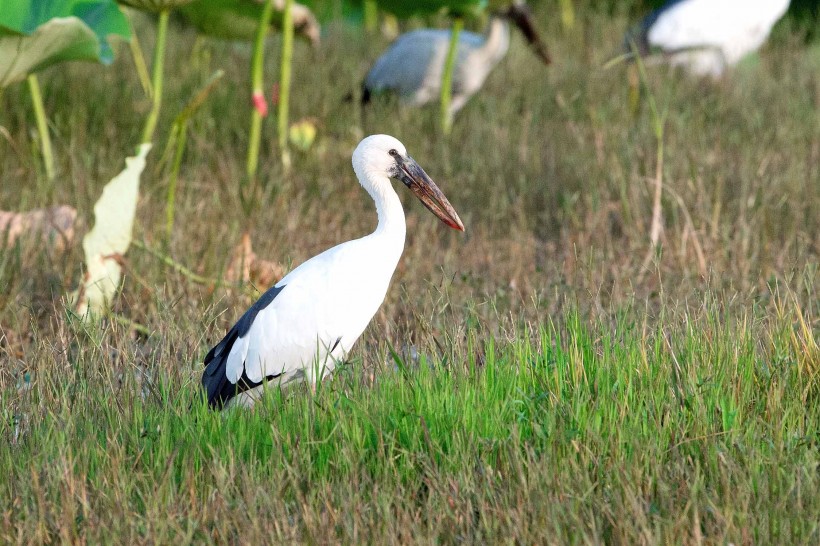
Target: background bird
(412, 66)
(706, 36)
(308, 321)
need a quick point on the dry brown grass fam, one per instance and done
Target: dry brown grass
(552, 174)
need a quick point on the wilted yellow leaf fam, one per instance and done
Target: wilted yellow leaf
(110, 237)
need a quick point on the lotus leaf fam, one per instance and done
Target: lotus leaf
(155, 6)
(407, 8)
(35, 34)
(238, 19)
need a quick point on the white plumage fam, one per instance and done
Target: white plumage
(708, 36)
(413, 65)
(308, 321)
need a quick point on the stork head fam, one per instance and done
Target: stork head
(382, 156)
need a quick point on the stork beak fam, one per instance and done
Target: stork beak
(522, 17)
(428, 193)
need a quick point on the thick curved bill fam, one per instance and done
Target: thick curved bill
(428, 193)
(522, 17)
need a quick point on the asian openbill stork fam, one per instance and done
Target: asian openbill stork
(706, 36)
(412, 66)
(308, 321)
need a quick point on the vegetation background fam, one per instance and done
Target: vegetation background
(534, 380)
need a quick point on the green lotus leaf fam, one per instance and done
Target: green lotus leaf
(407, 8)
(352, 10)
(24, 17)
(238, 19)
(61, 39)
(155, 6)
(35, 34)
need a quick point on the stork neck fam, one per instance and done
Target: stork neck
(388, 205)
(391, 228)
(390, 211)
(498, 39)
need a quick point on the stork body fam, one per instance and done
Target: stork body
(413, 65)
(309, 320)
(707, 36)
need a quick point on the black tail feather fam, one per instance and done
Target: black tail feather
(215, 377)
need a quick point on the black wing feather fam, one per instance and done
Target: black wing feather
(214, 378)
(639, 35)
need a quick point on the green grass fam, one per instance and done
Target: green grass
(547, 388)
(697, 427)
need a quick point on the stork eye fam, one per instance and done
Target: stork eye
(393, 152)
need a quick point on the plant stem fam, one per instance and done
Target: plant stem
(128, 323)
(182, 133)
(658, 122)
(658, 125)
(567, 14)
(447, 76)
(42, 124)
(284, 81)
(156, 85)
(139, 63)
(185, 271)
(178, 136)
(657, 211)
(257, 73)
(176, 266)
(371, 15)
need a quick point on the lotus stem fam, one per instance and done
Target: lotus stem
(447, 76)
(139, 63)
(260, 106)
(156, 80)
(371, 15)
(567, 14)
(284, 81)
(42, 124)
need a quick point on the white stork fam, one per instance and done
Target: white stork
(706, 36)
(413, 65)
(308, 321)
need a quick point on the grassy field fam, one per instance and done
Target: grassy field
(536, 380)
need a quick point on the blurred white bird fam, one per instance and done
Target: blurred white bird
(413, 65)
(706, 36)
(309, 320)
